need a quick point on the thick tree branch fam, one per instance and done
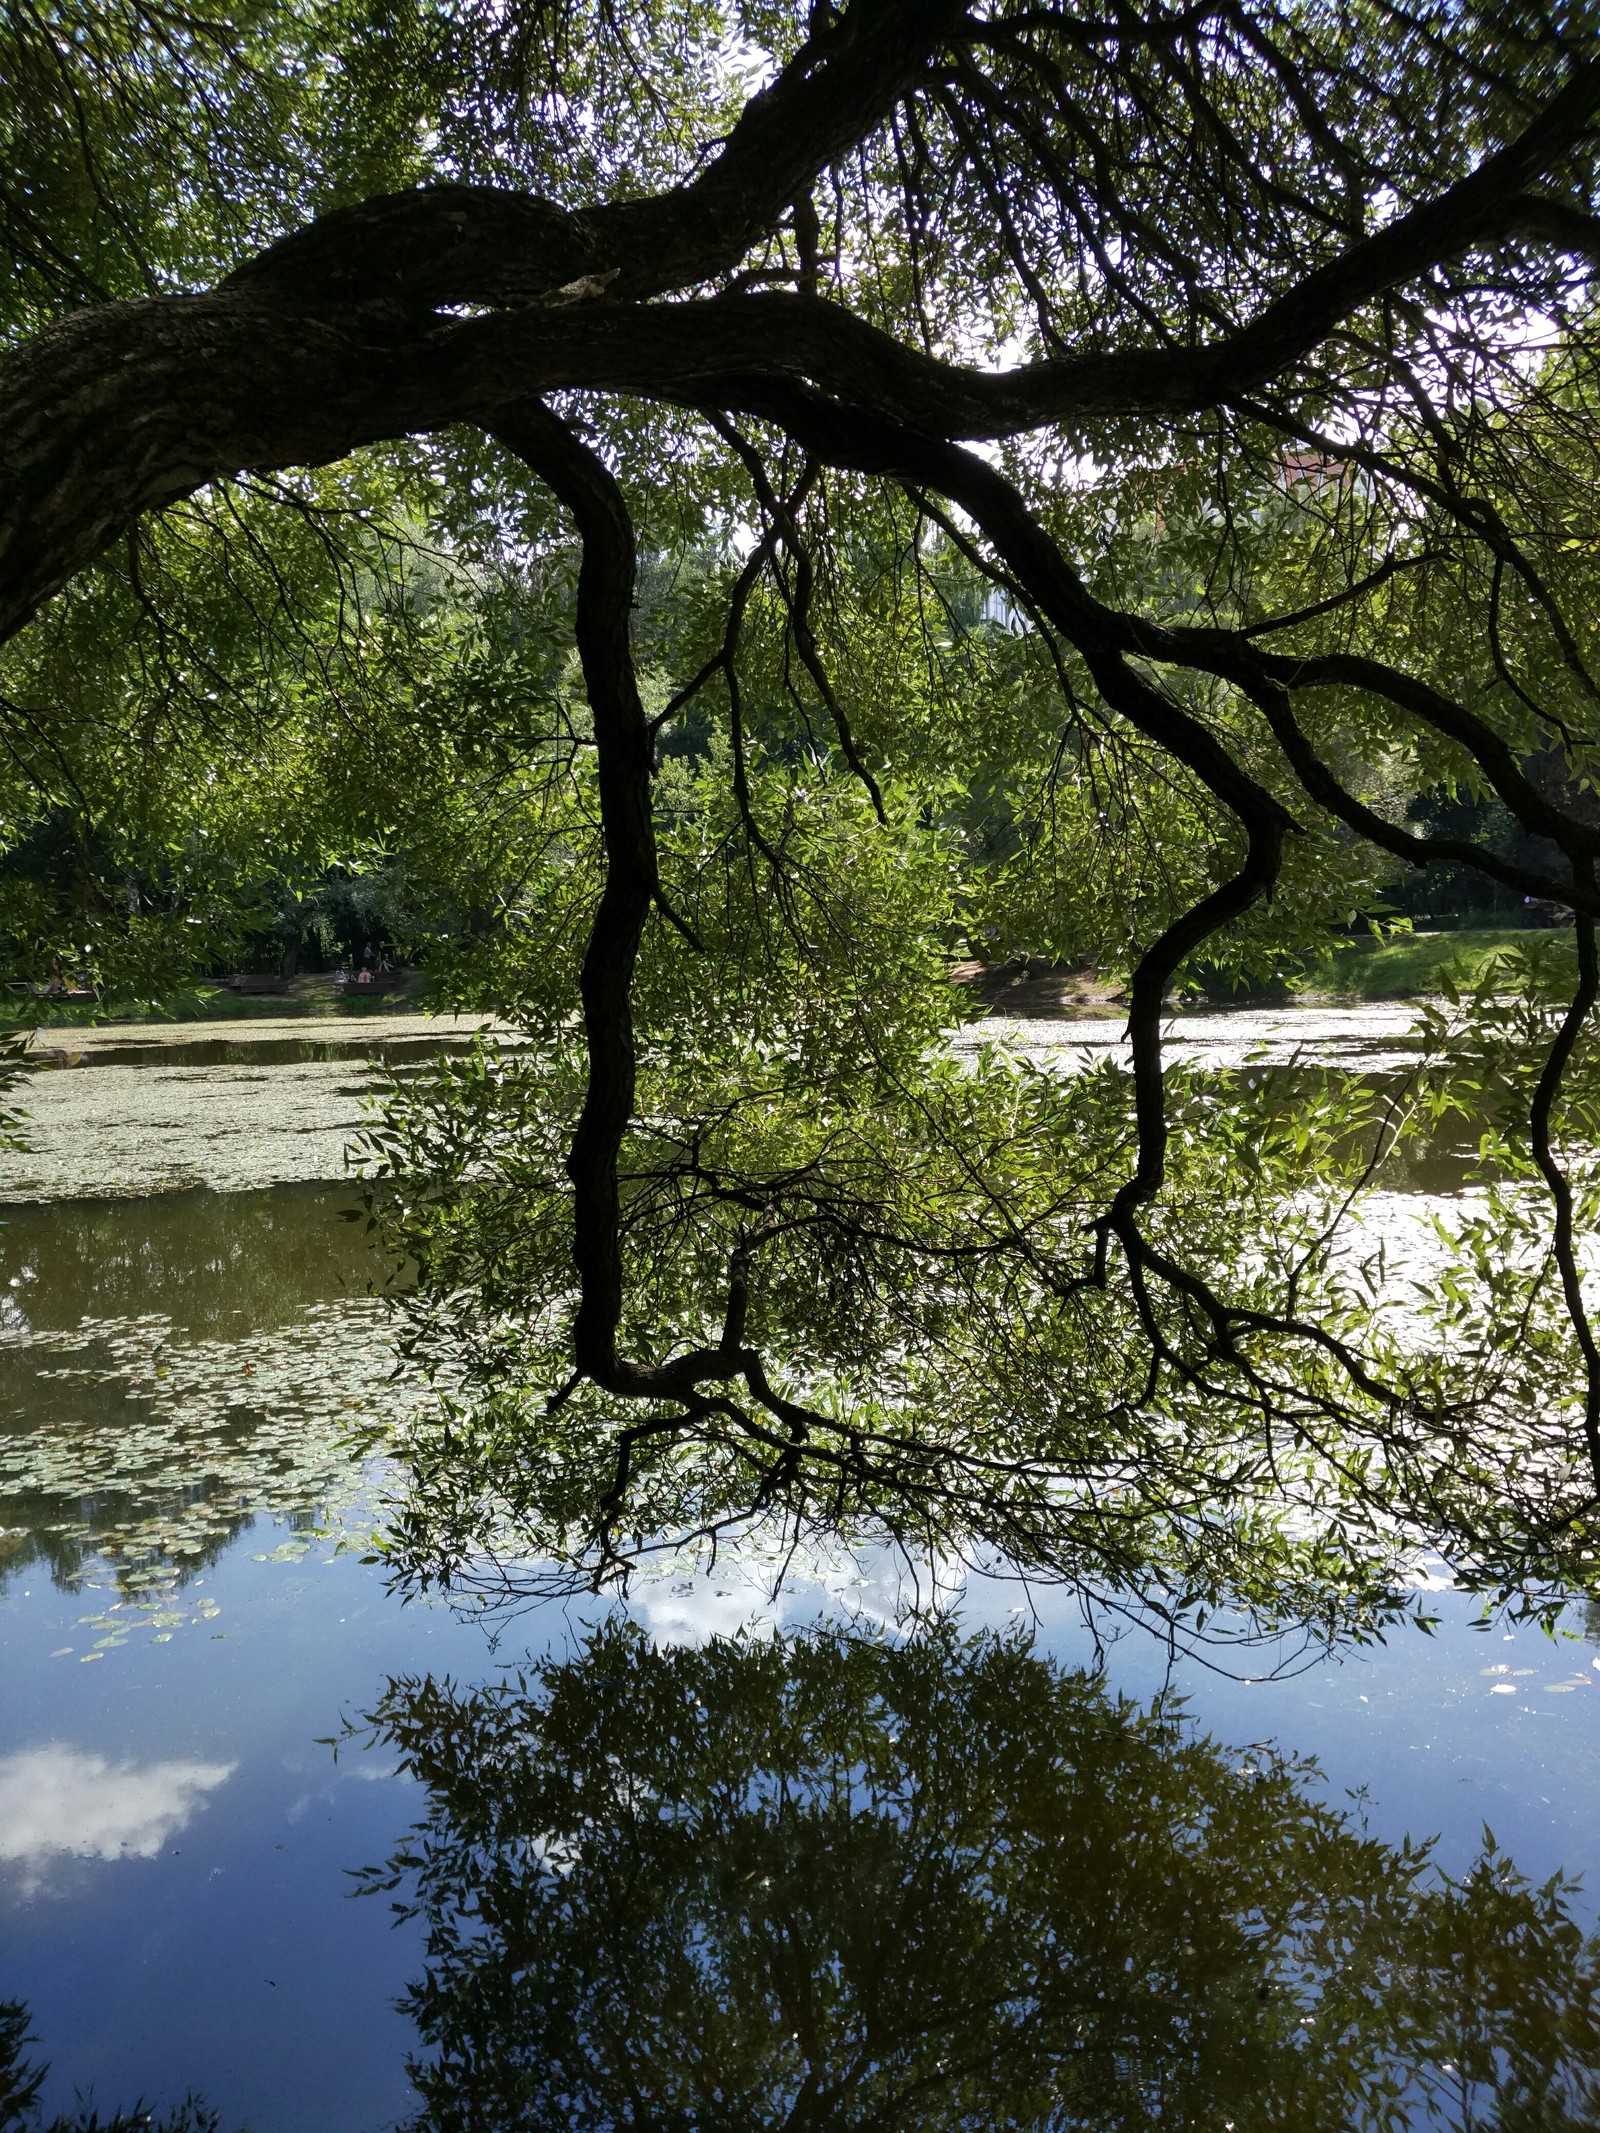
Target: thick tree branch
(580, 478)
(446, 245)
(330, 340)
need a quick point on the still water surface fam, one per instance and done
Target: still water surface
(665, 1881)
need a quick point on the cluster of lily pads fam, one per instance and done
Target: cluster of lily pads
(159, 1449)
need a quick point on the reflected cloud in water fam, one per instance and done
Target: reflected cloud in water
(747, 1592)
(58, 1802)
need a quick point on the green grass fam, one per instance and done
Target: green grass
(1411, 963)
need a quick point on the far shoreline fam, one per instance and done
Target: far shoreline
(1403, 966)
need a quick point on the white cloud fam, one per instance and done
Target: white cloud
(869, 1587)
(59, 1802)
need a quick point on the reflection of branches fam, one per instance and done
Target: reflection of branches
(771, 1882)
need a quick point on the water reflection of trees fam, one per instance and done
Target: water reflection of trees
(172, 1370)
(830, 1882)
(217, 1263)
(22, 2078)
(74, 1555)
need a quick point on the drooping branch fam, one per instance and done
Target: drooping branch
(1573, 1026)
(623, 748)
(1414, 847)
(844, 436)
(1046, 577)
(785, 527)
(1105, 639)
(580, 478)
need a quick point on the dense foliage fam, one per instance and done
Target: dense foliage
(713, 512)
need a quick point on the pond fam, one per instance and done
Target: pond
(331, 1861)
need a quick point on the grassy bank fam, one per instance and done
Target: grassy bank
(315, 994)
(1403, 967)
(1413, 963)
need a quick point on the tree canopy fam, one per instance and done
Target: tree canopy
(746, 502)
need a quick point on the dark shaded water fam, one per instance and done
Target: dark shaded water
(213, 1261)
(657, 1880)
(52, 1050)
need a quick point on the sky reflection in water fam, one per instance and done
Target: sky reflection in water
(881, 1898)
(831, 1881)
(56, 1802)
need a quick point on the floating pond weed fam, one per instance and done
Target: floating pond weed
(158, 1448)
